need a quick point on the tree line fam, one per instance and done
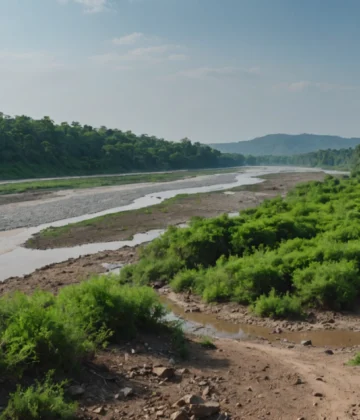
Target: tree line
(30, 147)
(38, 148)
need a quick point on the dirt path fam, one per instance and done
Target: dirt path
(249, 380)
(122, 226)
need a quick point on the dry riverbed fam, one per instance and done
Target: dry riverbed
(122, 226)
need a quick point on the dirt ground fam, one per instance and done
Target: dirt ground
(249, 380)
(122, 226)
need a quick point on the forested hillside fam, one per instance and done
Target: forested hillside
(35, 148)
(286, 144)
(341, 159)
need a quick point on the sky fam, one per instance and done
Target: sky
(210, 70)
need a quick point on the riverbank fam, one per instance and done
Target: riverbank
(248, 379)
(174, 211)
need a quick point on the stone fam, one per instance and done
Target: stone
(160, 413)
(76, 390)
(179, 415)
(163, 372)
(188, 399)
(99, 410)
(206, 391)
(183, 371)
(126, 392)
(318, 394)
(301, 418)
(329, 352)
(206, 409)
(306, 343)
(298, 382)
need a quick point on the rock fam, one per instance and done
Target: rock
(183, 371)
(99, 410)
(163, 372)
(179, 415)
(189, 399)
(205, 410)
(76, 390)
(306, 343)
(318, 394)
(159, 413)
(329, 352)
(298, 382)
(206, 391)
(126, 392)
(301, 418)
(172, 361)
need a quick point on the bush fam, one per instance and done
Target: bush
(42, 401)
(330, 285)
(59, 332)
(275, 306)
(32, 332)
(102, 308)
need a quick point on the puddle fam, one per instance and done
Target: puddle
(204, 324)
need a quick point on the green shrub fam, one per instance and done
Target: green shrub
(102, 308)
(330, 284)
(355, 361)
(207, 343)
(276, 306)
(33, 333)
(42, 401)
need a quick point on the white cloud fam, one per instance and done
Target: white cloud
(152, 54)
(206, 72)
(178, 57)
(29, 60)
(128, 39)
(303, 85)
(90, 6)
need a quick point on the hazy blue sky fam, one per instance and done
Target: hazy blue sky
(211, 70)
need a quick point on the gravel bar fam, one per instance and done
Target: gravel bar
(32, 214)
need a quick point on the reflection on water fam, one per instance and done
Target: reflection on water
(201, 323)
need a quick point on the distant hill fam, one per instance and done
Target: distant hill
(286, 144)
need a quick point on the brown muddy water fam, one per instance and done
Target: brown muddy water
(205, 324)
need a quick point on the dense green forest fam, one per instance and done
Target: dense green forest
(36, 148)
(39, 148)
(282, 257)
(286, 144)
(341, 159)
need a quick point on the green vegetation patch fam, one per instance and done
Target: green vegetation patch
(284, 256)
(49, 336)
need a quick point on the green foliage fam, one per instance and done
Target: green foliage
(36, 148)
(102, 308)
(42, 401)
(355, 361)
(276, 306)
(207, 343)
(32, 333)
(59, 332)
(280, 257)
